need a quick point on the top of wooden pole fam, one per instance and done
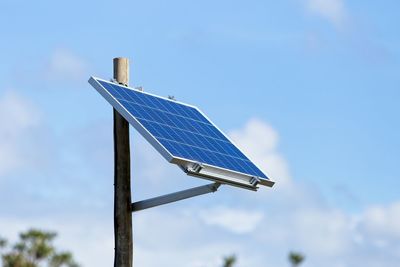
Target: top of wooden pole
(121, 70)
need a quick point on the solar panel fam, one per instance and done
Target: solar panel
(183, 135)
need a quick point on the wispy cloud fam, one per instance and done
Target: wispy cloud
(293, 217)
(65, 65)
(19, 119)
(237, 221)
(382, 222)
(334, 11)
(260, 227)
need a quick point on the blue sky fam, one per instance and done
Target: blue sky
(310, 88)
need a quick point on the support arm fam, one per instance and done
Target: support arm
(188, 193)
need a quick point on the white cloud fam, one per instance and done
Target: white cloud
(333, 11)
(235, 220)
(19, 120)
(323, 232)
(259, 227)
(265, 228)
(85, 237)
(63, 64)
(382, 221)
(179, 237)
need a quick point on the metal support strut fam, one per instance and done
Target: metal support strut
(169, 198)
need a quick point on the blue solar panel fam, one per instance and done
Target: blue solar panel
(182, 130)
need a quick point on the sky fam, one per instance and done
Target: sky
(309, 89)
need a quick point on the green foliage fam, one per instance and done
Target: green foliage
(3, 243)
(229, 261)
(15, 259)
(35, 249)
(62, 259)
(296, 258)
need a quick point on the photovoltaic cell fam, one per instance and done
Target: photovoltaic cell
(182, 130)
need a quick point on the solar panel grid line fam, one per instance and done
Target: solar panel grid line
(122, 95)
(203, 148)
(167, 121)
(249, 161)
(182, 131)
(142, 106)
(139, 110)
(206, 146)
(220, 162)
(163, 119)
(198, 135)
(132, 120)
(190, 148)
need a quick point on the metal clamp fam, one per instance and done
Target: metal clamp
(254, 181)
(196, 167)
(116, 82)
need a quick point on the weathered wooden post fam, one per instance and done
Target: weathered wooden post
(122, 178)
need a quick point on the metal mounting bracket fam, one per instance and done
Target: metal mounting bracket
(173, 197)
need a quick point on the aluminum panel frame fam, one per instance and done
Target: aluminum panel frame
(208, 172)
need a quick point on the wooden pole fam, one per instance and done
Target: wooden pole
(122, 178)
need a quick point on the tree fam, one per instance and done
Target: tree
(3, 243)
(35, 249)
(229, 261)
(296, 258)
